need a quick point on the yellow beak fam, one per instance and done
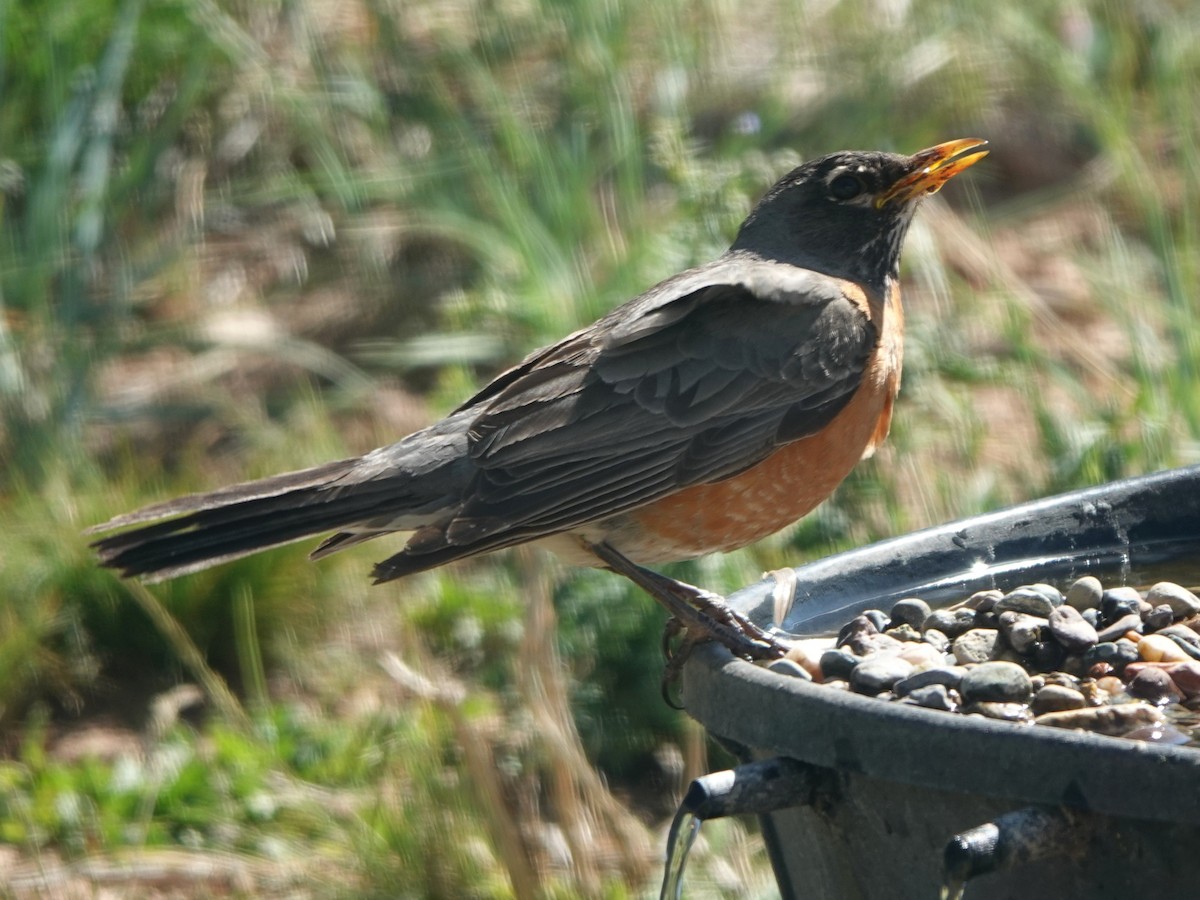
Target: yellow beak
(932, 168)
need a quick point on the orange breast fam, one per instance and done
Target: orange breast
(782, 488)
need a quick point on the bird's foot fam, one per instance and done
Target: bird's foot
(702, 615)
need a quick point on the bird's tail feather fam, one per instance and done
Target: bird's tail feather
(192, 533)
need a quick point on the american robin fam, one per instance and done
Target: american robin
(716, 408)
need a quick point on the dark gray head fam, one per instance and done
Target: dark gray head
(846, 214)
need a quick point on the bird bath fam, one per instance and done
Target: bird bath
(898, 799)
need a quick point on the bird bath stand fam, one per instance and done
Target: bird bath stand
(881, 800)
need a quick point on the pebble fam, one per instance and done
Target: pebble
(1183, 643)
(1186, 677)
(837, 663)
(790, 668)
(1182, 601)
(1154, 685)
(1158, 734)
(950, 622)
(1120, 601)
(1002, 682)
(862, 637)
(878, 674)
(1050, 592)
(877, 617)
(1106, 661)
(910, 611)
(1071, 630)
(1056, 697)
(1182, 634)
(921, 655)
(936, 639)
(946, 676)
(983, 601)
(1160, 648)
(1158, 618)
(1025, 600)
(1008, 712)
(903, 632)
(976, 646)
(1117, 654)
(1085, 593)
(1110, 720)
(932, 696)
(855, 631)
(1120, 627)
(1023, 631)
(807, 655)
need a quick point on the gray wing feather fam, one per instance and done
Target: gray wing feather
(694, 382)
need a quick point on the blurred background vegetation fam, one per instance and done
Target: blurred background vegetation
(243, 237)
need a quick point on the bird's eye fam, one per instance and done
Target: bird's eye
(846, 187)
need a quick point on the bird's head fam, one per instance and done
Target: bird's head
(846, 214)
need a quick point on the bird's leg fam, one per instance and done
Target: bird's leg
(702, 613)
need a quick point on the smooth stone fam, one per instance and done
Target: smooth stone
(1120, 601)
(1022, 630)
(922, 655)
(1182, 633)
(1000, 682)
(1110, 720)
(1005, 711)
(1120, 627)
(950, 622)
(855, 630)
(1092, 617)
(1050, 592)
(911, 611)
(1094, 694)
(932, 696)
(838, 663)
(1158, 734)
(861, 637)
(1111, 685)
(1158, 618)
(976, 646)
(946, 676)
(1186, 677)
(983, 601)
(1182, 601)
(1085, 593)
(807, 653)
(1117, 653)
(1062, 679)
(789, 667)
(1159, 648)
(1025, 600)
(1071, 630)
(903, 632)
(937, 640)
(877, 617)
(1155, 686)
(1055, 698)
(1183, 644)
(876, 675)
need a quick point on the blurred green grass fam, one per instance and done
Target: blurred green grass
(237, 238)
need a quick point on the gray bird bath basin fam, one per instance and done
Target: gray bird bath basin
(891, 792)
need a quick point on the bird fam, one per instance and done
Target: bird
(716, 408)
